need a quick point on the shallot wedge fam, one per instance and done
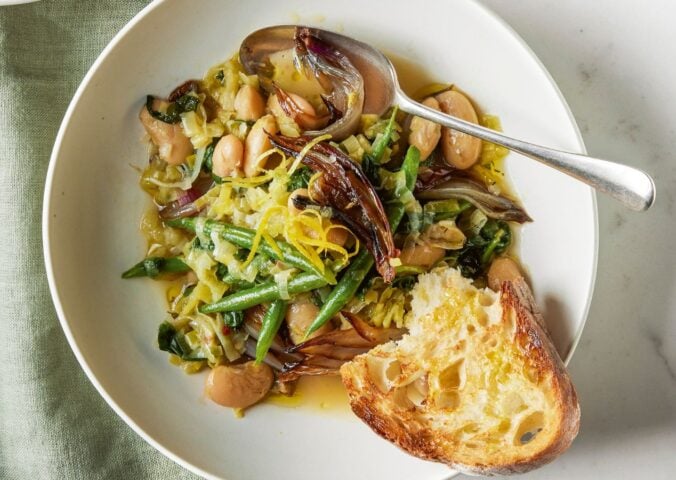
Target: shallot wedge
(326, 353)
(494, 206)
(344, 187)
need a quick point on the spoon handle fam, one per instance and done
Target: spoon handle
(630, 186)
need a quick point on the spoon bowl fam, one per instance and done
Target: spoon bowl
(380, 79)
(633, 188)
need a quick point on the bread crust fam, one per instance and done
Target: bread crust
(407, 431)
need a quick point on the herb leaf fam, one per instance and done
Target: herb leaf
(186, 103)
(494, 238)
(233, 319)
(299, 179)
(383, 142)
(371, 169)
(171, 340)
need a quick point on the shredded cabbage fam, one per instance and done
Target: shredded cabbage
(205, 269)
(282, 281)
(382, 305)
(198, 130)
(223, 81)
(477, 220)
(356, 146)
(187, 181)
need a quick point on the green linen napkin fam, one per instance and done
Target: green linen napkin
(53, 423)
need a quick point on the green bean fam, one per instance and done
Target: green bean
(153, 266)
(266, 292)
(344, 291)
(410, 167)
(395, 213)
(270, 324)
(354, 275)
(383, 142)
(237, 282)
(244, 238)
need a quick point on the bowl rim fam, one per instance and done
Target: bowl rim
(46, 219)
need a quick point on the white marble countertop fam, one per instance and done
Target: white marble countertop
(615, 62)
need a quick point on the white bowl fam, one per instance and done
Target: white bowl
(93, 204)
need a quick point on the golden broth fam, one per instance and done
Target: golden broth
(325, 394)
(412, 76)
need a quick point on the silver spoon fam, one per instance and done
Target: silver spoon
(632, 187)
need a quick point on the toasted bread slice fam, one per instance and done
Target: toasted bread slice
(475, 384)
